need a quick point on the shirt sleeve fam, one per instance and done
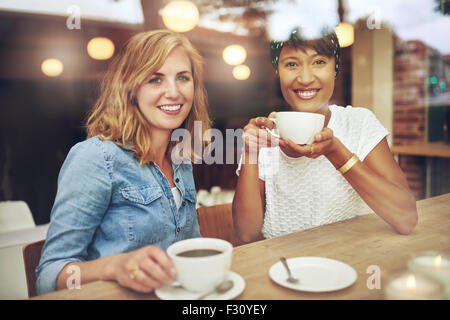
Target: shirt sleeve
(83, 196)
(372, 132)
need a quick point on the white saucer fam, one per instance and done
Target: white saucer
(316, 274)
(179, 293)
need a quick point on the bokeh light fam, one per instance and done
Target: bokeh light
(234, 54)
(100, 48)
(241, 72)
(180, 16)
(52, 67)
(345, 33)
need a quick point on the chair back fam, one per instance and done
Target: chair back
(31, 256)
(217, 222)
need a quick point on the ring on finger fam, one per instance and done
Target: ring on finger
(133, 273)
(312, 149)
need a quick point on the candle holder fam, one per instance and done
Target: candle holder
(413, 286)
(432, 264)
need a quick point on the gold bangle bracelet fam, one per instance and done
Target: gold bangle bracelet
(349, 164)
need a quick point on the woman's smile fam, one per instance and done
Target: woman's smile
(306, 94)
(171, 109)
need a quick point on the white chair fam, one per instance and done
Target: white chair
(17, 227)
(15, 215)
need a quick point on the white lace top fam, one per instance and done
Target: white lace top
(302, 193)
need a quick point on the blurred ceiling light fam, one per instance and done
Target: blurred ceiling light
(180, 16)
(52, 67)
(100, 48)
(345, 34)
(234, 54)
(241, 72)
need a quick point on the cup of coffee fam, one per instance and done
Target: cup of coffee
(300, 127)
(201, 263)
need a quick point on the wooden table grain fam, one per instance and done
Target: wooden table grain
(366, 243)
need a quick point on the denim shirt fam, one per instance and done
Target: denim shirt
(107, 203)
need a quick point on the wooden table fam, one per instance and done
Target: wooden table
(361, 242)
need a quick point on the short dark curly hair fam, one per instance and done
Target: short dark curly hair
(327, 45)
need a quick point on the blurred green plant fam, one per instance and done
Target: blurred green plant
(443, 6)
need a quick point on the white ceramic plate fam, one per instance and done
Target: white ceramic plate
(316, 274)
(179, 293)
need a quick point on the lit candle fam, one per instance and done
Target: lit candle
(412, 286)
(433, 264)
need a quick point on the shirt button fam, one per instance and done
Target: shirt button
(183, 203)
(177, 180)
(178, 229)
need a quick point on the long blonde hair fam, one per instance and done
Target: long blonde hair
(116, 116)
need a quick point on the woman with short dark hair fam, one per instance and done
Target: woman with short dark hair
(347, 167)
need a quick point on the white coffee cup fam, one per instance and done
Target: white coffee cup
(201, 274)
(300, 127)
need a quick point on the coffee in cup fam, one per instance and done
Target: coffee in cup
(299, 127)
(196, 253)
(201, 263)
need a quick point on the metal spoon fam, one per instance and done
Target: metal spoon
(290, 278)
(221, 288)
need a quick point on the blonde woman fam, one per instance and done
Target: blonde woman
(121, 199)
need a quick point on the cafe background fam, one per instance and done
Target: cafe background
(396, 63)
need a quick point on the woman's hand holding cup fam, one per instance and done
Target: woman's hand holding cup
(142, 270)
(324, 143)
(302, 133)
(256, 137)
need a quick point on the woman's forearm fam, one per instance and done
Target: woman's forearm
(388, 198)
(392, 202)
(247, 204)
(89, 271)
